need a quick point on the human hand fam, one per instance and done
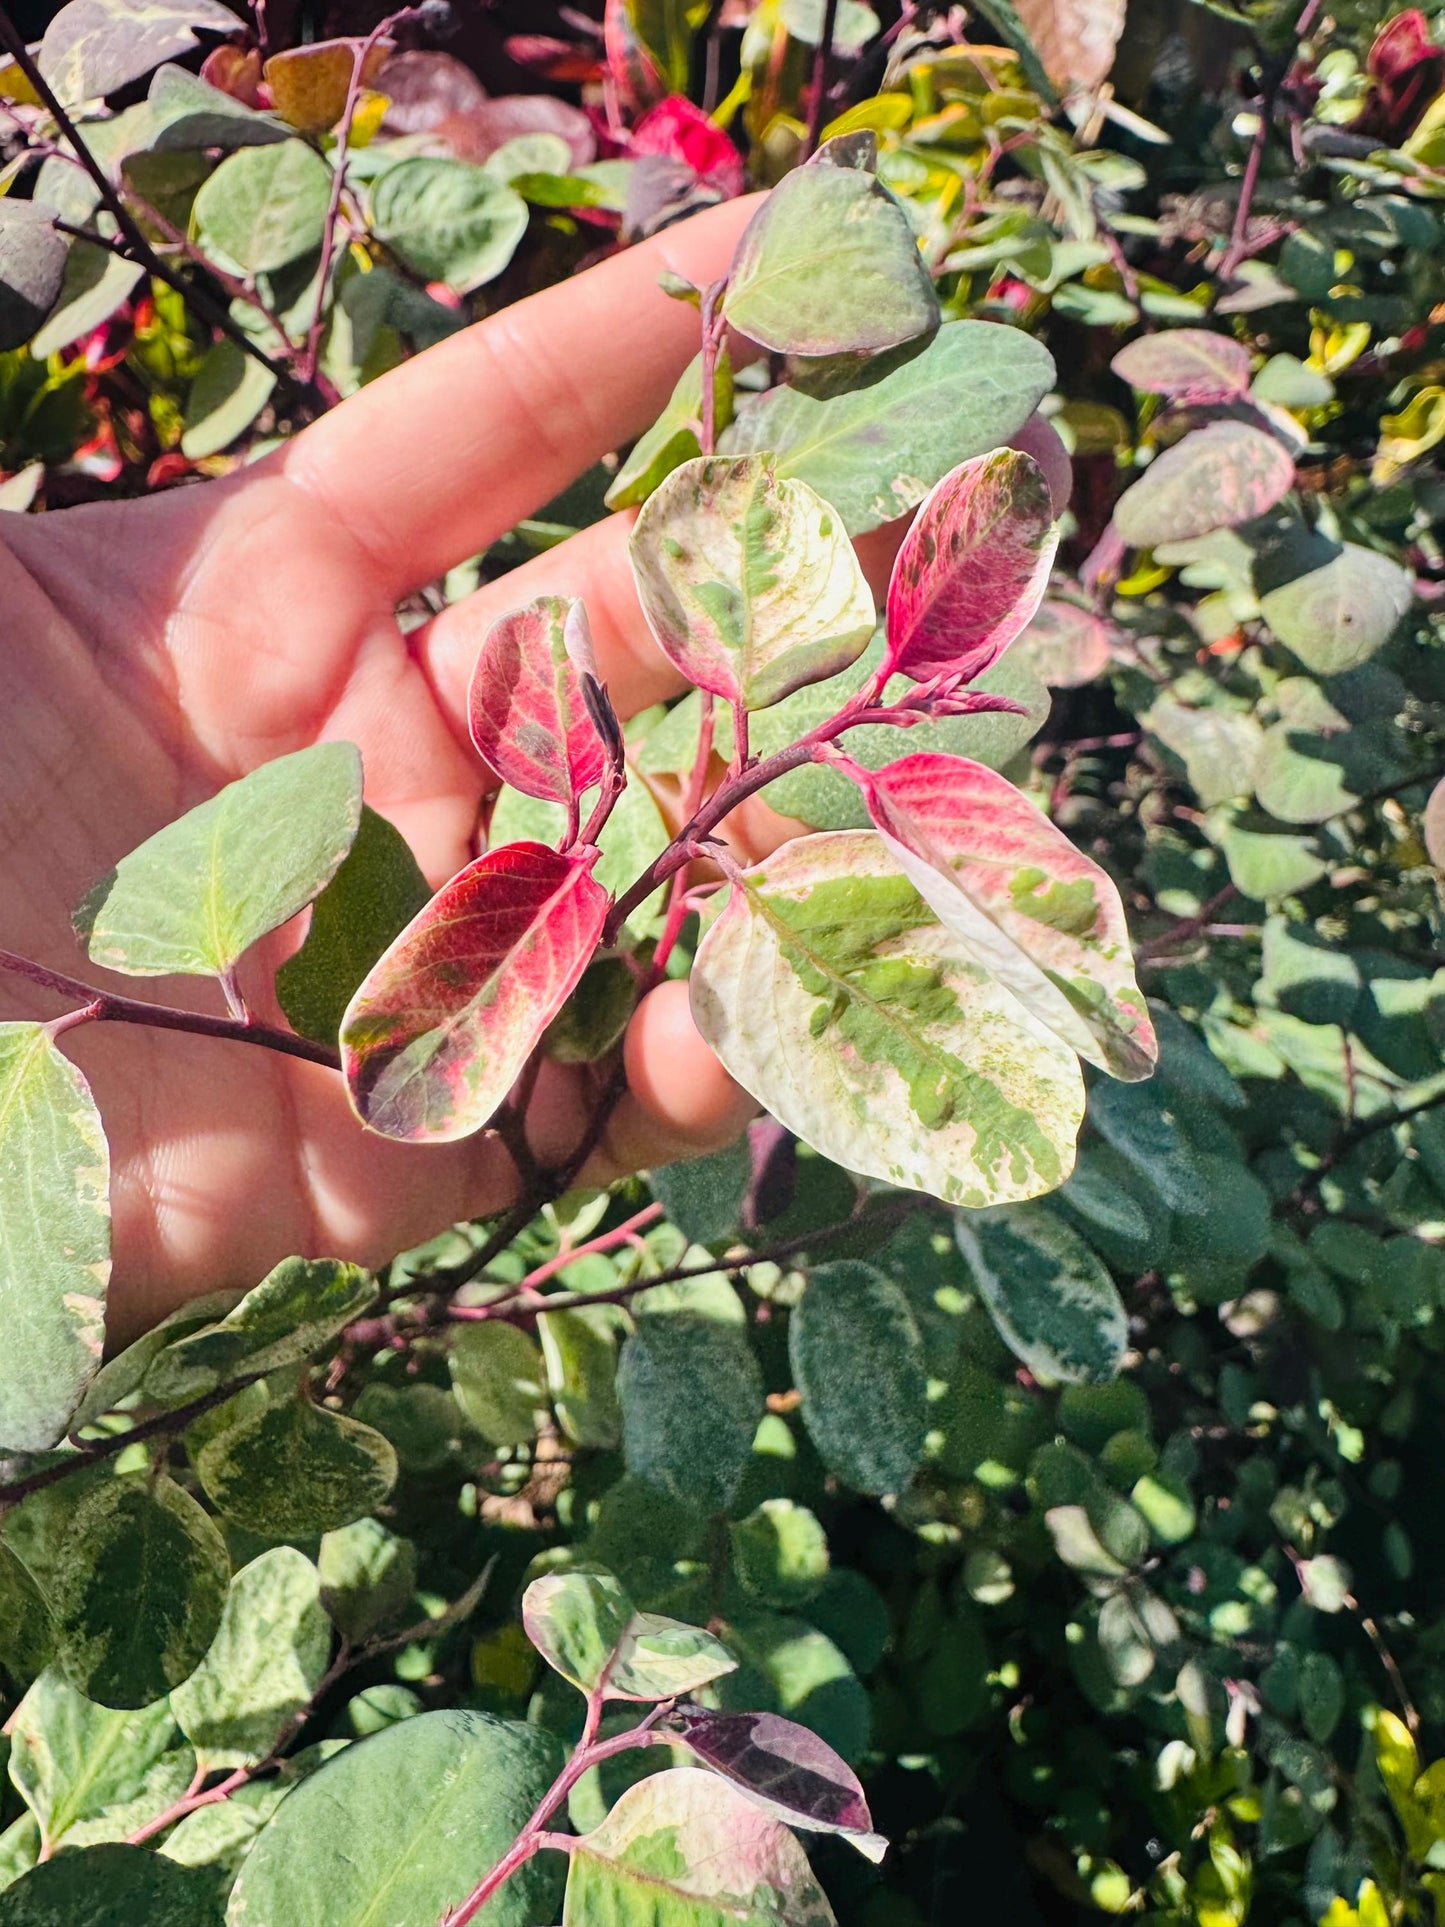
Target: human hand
(156, 650)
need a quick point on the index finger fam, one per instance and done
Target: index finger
(435, 460)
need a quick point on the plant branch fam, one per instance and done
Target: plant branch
(822, 69)
(105, 1007)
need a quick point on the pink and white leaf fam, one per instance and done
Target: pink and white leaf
(1037, 914)
(1215, 478)
(785, 1769)
(528, 717)
(1194, 365)
(973, 568)
(441, 1028)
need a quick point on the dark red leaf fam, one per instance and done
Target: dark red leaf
(527, 704)
(783, 1767)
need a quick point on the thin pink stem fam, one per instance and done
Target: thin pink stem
(190, 1802)
(605, 1241)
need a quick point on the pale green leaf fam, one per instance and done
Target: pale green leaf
(292, 1312)
(94, 47)
(780, 1553)
(1338, 616)
(584, 1625)
(229, 392)
(264, 207)
(673, 437)
(96, 282)
(368, 1578)
(75, 1763)
(499, 1379)
(447, 220)
(580, 1350)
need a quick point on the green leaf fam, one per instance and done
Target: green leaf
(829, 265)
(500, 1380)
(833, 994)
(691, 1395)
(683, 1848)
(195, 897)
(26, 1638)
(265, 206)
(402, 1826)
(1054, 1304)
(78, 1765)
(858, 1361)
(877, 450)
(587, 1629)
(749, 583)
(447, 220)
(780, 1553)
(262, 1667)
(1267, 863)
(1219, 747)
(704, 1197)
(294, 1469)
(138, 1594)
(368, 1578)
(54, 1238)
(580, 1350)
(110, 1886)
(96, 282)
(1142, 1125)
(292, 1312)
(673, 437)
(1338, 616)
(100, 46)
(788, 1666)
(229, 392)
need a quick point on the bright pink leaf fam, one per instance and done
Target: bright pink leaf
(441, 1028)
(682, 132)
(1041, 917)
(525, 706)
(1188, 364)
(972, 569)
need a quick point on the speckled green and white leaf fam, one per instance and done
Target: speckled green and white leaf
(196, 896)
(289, 1315)
(691, 1395)
(138, 1590)
(1336, 617)
(877, 450)
(54, 1238)
(1053, 1301)
(26, 1638)
(77, 1765)
(585, 1626)
(832, 992)
(858, 1363)
(685, 1849)
(1037, 914)
(263, 1665)
(393, 1832)
(749, 583)
(293, 1469)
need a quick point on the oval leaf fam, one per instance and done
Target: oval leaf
(692, 1396)
(858, 1361)
(527, 714)
(783, 1768)
(291, 1470)
(195, 897)
(1033, 911)
(265, 206)
(139, 1589)
(89, 1772)
(32, 269)
(309, 85)
(1188, 364)
(586, 1628)
(441, 1028)
(867, 289)
(1336, 617)
(111, 1886)
(55, 1247)
(684, 1849)
(417, 1814)
(93, 47)
(447, 220)
(1054, 1303)
(973, 568)
(831, 991)
(1215, 478)
(500, 1380)
(749, 583)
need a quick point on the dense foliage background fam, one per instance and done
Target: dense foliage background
(1150, 1620)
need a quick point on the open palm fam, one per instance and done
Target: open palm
(157, 649)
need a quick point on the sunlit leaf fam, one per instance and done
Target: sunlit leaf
(1214, 478)
(138, 1591)
(580, 1349)
(1034, 912)
(54, 1238)
(309, 85)
(96, 283)
(415, 1815)
(875, 451)
(785, 1769)
(91, 1772)
(500, 1380)
(94, 47)
(1053, 1301)
(196, 896)
(867, 290)
(972, 569)
(673, 437)
(832, 992)
(858, 1362)
(293, 1469)
(447, 220)
(265, 206)
(1336, 617)
(584, 1625)
(111, 1886)
(691, 1395)
(683, 1848)
(1075, 39)
(229, 392)
(438, 1033)
(749, 584)
(1192, 365)
(528, 717)
(368, 1577)
(779, 1552)
(263, 1665)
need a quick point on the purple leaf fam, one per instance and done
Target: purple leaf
(783, 1768)
(441, 1028)
(527, 705)
(1216, 477)
(972, 569)
(1187, 364)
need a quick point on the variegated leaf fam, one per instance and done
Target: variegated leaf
(584, 1625)
(834, 994)
(528, 717)
(1187, 364)
(1033, 911)
(1215, 478)
(441, 1028)
(749, 584)
(785, 1769)
(973, 569)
